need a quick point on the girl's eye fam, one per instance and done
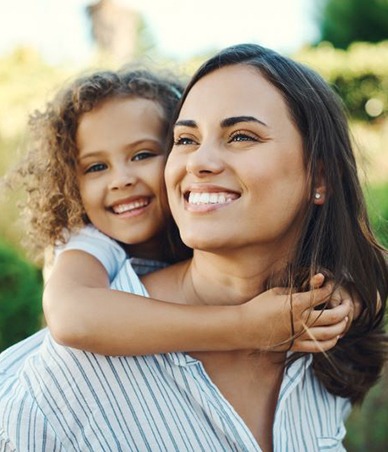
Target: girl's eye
(142, 155)
(242, 136)
(183, 141)
(96, 167)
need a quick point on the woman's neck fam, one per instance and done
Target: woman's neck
(215, 279)
(226, 279)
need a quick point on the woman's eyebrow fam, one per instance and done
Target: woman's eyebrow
(186, 123)
(227, 122)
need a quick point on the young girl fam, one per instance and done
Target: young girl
(95, 183)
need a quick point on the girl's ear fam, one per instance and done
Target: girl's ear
(319, 192)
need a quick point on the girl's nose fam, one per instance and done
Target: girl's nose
(121, 178)
(206, 159)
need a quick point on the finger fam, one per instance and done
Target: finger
(315, 297)
(317, 281)
(350, 316)
(325, 333)
(310, 346)
(326, 317)
(283, 291)
(336, 298)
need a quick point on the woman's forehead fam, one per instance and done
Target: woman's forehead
(238, 90)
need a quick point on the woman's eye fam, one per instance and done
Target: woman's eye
(242, 136)
(96, 167)
(183, 141)
(143, 155)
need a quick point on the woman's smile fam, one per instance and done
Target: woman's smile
(237, 156)
(208, 198)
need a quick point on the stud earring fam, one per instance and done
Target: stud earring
(317, 195)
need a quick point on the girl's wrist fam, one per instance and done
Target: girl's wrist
(244, 338)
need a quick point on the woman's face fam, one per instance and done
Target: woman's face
(236, 176)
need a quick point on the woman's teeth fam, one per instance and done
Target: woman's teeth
(210, 198)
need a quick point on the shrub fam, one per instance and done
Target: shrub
(367, 425)
(359, 75)
(377, 200)
(20, 297)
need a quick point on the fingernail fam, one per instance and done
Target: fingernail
(346, 319)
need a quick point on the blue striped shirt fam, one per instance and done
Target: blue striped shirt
(54, 398)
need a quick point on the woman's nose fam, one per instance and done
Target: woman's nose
(206, 159)
(121, 177)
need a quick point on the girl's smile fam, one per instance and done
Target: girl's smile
(132, 206)
(120, 169)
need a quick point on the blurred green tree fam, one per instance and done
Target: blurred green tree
(367, 425)
(20, 297)
(346, 21)
(377, 200)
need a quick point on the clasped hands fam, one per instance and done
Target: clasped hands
(312, 321)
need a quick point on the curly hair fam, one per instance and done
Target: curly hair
(53, 205)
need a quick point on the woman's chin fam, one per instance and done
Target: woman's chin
(197, 242)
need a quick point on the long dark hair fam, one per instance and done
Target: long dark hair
(335, 236)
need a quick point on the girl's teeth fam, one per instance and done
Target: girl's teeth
(210, 198)
(121, 208)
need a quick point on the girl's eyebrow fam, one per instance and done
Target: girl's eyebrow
(227, 122)
(93, 154)
(98, 153)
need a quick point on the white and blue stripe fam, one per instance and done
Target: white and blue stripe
(54, 399)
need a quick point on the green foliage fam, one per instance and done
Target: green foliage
(345, 21)
(367, 425)
(20, 297)
(358, 74)
(377, 200)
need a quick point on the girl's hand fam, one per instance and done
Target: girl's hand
(293, 322)
(342, 295)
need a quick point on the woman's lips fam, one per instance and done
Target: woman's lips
(204, 198)
(207, 201)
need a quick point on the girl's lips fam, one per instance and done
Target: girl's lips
(130, 206)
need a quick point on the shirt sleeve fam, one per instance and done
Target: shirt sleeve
(89, 239)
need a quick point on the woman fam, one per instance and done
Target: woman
(262, 183)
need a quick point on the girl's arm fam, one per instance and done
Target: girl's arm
(83, 312)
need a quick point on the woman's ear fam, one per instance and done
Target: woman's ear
(319, 191)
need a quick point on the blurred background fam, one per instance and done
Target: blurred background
(44, 43)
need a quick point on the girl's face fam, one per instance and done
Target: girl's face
(120, 169)
(236, 176)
